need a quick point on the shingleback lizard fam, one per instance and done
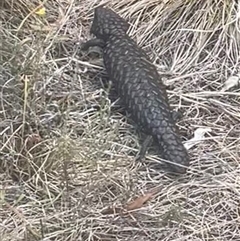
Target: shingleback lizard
(138, 85)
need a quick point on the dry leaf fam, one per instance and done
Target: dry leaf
(198, 137)
(231, 82)
(41, 12)
(135, 204)
(138, 202)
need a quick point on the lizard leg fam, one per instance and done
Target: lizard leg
(176, 115)
(93, 42)
(146, 143)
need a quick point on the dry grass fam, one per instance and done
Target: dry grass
(67, 153)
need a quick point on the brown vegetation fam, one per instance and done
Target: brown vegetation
(67, 154)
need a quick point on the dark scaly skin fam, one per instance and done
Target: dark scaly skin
(139, 85)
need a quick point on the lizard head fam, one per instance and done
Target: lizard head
(106, 23)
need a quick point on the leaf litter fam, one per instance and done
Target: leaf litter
(79, 157)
